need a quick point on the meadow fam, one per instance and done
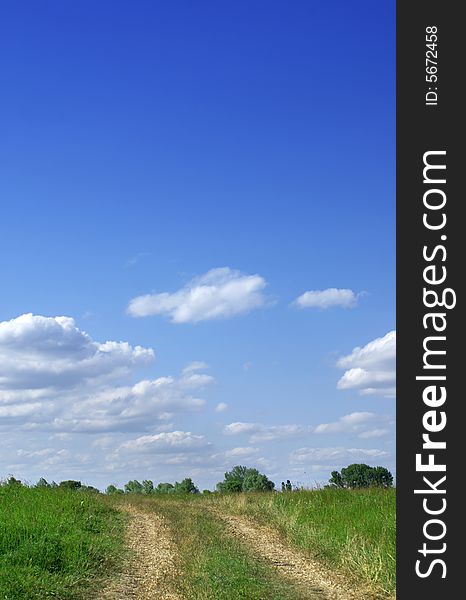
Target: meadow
(353, 531)
(56, 543)
(63, 544)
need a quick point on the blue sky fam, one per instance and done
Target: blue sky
(219, 160)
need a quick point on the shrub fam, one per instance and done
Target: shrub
(361, 476)
(244, 479)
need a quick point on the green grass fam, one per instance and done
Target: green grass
(213, 564)
(55, 543)
(350, 530)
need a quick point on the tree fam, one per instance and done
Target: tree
(233, 481)
(165, 488)
(89, 488)
(244, 479)
(336, 480)
(186, 487)
(133, 487)
(360, 475)
(147, 486)
(70, 484)
(257, 482)
(382, 477)
(12, 481)
(112, 489)
(42, 483)
(357, 475)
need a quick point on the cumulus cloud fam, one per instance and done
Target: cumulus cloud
(35, 453)
(335, 455)
(371, 369)
(241, 452)
(196, 365)
(166, 442)
(362, 424)
(221, 407)
(55, 376)
(329, 298)
(264, 433)
(347, 423)
(38, 352)
(131, 407)
(239, 428)
(373, 433)
(218, 294)
(21, 410)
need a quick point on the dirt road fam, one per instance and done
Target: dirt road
(150, 572)
(290, 563)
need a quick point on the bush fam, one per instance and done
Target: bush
(165, 488)
(134, 487)
(361, 476)
(186, 487)
(244, 479)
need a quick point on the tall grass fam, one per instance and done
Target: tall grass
(54, 543)
(351, 530)
(215, 565)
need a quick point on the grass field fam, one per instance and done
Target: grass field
(213, 564)
(55, 543)
(351, 530)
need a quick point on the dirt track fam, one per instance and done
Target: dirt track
(149, 574)
(266, 543)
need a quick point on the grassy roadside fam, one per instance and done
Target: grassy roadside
(213, 564)
(349, 530)
(55, 543)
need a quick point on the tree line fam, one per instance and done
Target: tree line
(239, 479)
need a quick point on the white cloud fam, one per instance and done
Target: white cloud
(196, 365)
(337, 454)
(35, 453)
(39, 352)
(221, 407)
(132, 407)
(373, 433)
(371, 369)
(20, 410)
(104, 442)
(241, 452)
(264, 433)
(347, 423)
(218, 294)
(328, 298)
(239, 428)
(53, 376)
(166, 442)
(357, 423)
(361, 424)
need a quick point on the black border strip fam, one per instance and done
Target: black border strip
(429, 124)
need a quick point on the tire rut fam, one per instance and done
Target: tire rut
(319, 582)
(149, 573)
